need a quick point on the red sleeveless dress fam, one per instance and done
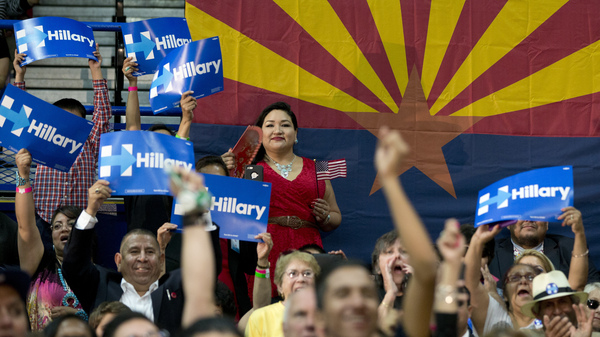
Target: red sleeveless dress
(292, 198)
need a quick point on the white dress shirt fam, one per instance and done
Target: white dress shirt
(137, 303)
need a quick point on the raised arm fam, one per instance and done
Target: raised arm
(451, 246)
(187, 103)
(19, 70)
(479, 295)
(102, 107)
(30, 245)
(79, 271)
(163, 236)
(261, 291)
(389, 154)
(326, 210)
(132, 112)
(197, 260)
(578, 269)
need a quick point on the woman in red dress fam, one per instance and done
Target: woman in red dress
(300, 205)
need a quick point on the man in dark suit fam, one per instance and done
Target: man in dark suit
(559, 249)
(137, 284)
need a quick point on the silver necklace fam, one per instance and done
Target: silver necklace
(284, 169)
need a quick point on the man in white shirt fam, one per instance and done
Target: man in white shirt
(139, 262)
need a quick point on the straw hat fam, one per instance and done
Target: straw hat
(548, 286)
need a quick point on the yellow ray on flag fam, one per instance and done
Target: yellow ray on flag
(443, 17)
(575, 75)
(388, 19)
(318, 19)
(515, 22)
(247, 61)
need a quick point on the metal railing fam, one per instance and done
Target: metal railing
(7, 161)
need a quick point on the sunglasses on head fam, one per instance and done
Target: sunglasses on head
(593, 304)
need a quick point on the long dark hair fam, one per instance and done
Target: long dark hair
(260, 155)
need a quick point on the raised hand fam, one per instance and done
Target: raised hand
(19, 70)
(391, 150)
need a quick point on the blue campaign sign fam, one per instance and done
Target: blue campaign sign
(196, 66)
(239, 206)
(53, 136)
(149, 41)
(536, 195)
(47, 37)
(134, 162)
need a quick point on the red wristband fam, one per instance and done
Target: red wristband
(132, 88)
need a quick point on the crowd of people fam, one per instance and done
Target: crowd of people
(466, 283)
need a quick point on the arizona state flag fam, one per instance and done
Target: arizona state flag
(480, 89)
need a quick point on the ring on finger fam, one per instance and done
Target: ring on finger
(571, 216)
(127, 69)
(97, 190)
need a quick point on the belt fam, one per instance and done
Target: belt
(292, 222)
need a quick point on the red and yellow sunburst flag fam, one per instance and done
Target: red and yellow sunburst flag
(481, 89)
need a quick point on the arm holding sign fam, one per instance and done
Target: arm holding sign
(261, 291)
(19, 71)
(163, 236)
(81, 274)
(187, 103)
(132, 113)
(31, 248)
(102, 107)
(578, 269)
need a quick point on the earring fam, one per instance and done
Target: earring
(296, 141)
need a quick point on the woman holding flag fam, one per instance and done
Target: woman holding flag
(301, 205)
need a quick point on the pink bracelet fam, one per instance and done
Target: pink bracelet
(132, 88)
(24, 190)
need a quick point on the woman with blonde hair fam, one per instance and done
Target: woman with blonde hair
(542, 263)
(293, 272)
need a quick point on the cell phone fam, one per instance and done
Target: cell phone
(253, 172)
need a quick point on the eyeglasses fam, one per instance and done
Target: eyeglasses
(58, 226)
(517, 277)
(292, 274)
(593, 304)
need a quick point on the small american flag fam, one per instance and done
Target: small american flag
(327, 170)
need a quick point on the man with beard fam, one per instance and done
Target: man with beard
(559, 249)
(561, 309)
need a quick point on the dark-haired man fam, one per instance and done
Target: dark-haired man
(561, 250)
(53, 188)
(560, 308)
(139, 262)
(347, 301)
